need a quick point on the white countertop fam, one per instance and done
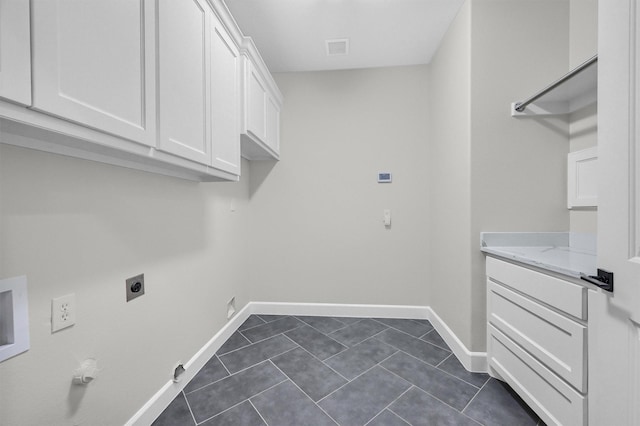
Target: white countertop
(562, 252)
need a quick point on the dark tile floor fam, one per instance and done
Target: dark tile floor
(285, 370)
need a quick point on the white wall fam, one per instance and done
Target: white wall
(316, 216)
(583, 39)
(450, 169)
(496, 173)
(518, 166)
(74, 226)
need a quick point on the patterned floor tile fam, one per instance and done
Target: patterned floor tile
(497, 404)
(177, 413)
(241, 415)
(312, 376)
(232, 390)
(323, 324)
(414, 328)
(434, 338)
(236, 341)
(358, 332)
(443, 386)
(378, 372)
(271, 318)
(212, 371)
(270, 329)
(286, 405)
(452, 366)
(387, 418)
(250, 322)
(364, 398)
(256, 352)
(421, 409)
(361, 357)
(418, 348)
(317, 343)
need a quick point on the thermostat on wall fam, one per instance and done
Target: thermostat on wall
(384, 177)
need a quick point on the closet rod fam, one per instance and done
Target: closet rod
(520, 106)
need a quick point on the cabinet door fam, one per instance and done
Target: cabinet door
(225, 108)
(93, 63)
(273, 124)
(15, 51)
(256, 105)
(183, 38)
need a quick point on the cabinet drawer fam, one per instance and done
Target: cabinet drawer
(555, 340)
(562, 295)
(551, 398)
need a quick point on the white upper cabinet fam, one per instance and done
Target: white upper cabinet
(94, 64)
(184, 78)
(15, 52)
(272, 123)
(256, 104)
(225, 100)
(261, 110)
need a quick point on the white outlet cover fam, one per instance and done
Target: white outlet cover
(63, 312)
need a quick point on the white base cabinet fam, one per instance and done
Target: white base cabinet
(537, 340)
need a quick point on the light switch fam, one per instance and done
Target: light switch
(387, 217)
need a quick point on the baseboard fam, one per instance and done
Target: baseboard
(161, 400)
(339, 310)
(472, 361)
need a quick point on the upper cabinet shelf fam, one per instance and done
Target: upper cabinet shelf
(569, 93)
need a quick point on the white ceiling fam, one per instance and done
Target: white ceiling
(291, 34)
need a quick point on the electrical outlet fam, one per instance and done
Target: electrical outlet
(134, 287)
(63, 312)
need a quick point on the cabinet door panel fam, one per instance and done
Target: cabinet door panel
(15, 51)
(184, 78)
(93, 64)
(273, 124)
(257, 104)
(225, 109)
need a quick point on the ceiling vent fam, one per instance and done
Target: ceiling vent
(336, 47)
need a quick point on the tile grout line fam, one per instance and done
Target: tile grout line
(259, 413)
(442, 371)
(428, 393)
(241, 402)
(264, 360)
(326, 333)
(324, 363)
(365, 340)
(305, 394)
(364, 372)
(400, 417)
(195, 422)
(411, 385)
(474, 396)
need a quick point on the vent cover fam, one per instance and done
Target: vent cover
(336, 47)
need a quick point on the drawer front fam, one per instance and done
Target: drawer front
(552, 399)
(561, 294)
(555, 340)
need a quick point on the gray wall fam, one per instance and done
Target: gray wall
(495, 172)
(74, 226)
(449, 168)
(316, 216)
(583, 123)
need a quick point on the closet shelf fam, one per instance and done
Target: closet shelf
(569, 93)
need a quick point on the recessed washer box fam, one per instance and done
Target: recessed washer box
(14, 317)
